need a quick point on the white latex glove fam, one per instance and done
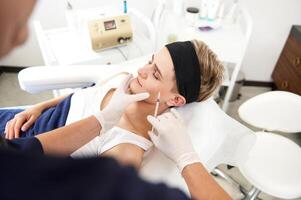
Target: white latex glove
(121, 98)
(172, 139)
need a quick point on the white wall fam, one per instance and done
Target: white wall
(26, 55)
(272, 21)
(271, 25)
(51, 14)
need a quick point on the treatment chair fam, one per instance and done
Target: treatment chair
(217, 138)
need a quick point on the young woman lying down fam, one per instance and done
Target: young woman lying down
(183, 72)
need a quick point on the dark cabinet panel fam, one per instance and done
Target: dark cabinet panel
(287, 72)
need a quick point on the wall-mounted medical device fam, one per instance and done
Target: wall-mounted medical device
(110, 32)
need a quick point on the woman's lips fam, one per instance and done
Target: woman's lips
(139, 82)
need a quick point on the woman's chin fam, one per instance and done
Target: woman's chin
(133, 89)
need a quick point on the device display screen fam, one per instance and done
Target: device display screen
(109, 25)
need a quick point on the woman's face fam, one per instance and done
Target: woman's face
(157, 75)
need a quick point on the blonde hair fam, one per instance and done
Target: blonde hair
(212, 70)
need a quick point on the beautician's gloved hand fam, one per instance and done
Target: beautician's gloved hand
(172, 139)
(121, 98)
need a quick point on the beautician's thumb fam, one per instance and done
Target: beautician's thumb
(138, 97)
(153, 137)
(125, 82)
(153, 121)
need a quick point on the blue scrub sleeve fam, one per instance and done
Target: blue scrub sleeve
(30, 145)
(27, 176)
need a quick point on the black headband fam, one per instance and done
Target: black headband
(187, 69)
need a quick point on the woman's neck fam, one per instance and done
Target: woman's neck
(137, 112)
(134, 117)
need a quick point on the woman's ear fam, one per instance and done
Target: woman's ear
(177, 100)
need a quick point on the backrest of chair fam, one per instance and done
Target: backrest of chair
(216, 136)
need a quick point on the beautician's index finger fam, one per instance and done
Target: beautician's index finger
(153, 120)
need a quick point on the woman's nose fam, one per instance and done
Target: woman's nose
(142, 72)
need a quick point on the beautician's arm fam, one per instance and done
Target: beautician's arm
(65, 140)
(200, 183)
(173, 140)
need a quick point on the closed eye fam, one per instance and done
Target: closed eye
(155, 75)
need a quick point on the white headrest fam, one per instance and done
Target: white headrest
(215, 135)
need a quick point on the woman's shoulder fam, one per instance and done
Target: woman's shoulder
(126, 154)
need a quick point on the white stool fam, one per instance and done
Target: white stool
(273, 166)
(273, 163)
